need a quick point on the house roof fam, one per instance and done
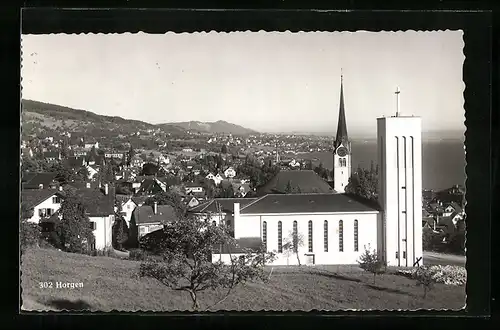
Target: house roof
(308, 203)
(139, 200)
(33, 180)
(193, 184)
(144, 214)
(96, 202)
(33, 197)
(74, 162)
(51, 154)
(226, 205)
(308, 182)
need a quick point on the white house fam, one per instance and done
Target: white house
(99, 207)
(127, 207)
(92, 171)
(190, 187)
(218, 179)
(210, 176)
(230, 172)
(90, 145)
(44, 202)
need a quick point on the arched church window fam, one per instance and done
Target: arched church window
(356, 235)
(280, 238)
(341, 236)
(264, 234)
(295, 235)
(325, 236)
(310, 236)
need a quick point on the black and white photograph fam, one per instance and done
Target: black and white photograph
(243, 171)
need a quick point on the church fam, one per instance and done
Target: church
(335, 228)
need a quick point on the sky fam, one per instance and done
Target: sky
(267, 81)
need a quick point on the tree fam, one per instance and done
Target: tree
(424, 277)
(29, 232)
(293, 243)
(288, 188)
(186, 265)
(224, 149)
(120, 232)
(74, 230)
(131, 154)
(149, 169)
(364, 183)
(371, 262)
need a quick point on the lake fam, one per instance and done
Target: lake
(443, 162)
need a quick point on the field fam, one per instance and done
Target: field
(112, 284)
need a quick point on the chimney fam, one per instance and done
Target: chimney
(88, 185)
(106, 189)
(155, 208)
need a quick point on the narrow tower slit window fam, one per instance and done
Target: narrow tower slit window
(356, 236)
(310, 236)
(325, 236)
(280, 238)
(341, 236)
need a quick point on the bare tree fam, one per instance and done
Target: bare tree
(293, 242)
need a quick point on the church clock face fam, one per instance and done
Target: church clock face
(342, 151)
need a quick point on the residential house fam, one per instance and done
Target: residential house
(39, 180)
(99, 207)
(240, 190)
(52, 156)
(150, 186)
(146, 219)
(43, 202)
(196, 170)
(193, 187)
(127, 206)
(210, 176)
(192, 202)
(78, 152)
(218, 179)
(219, 210)
(137, 161)
(91, 144)
(94, 159)
(230, 172)
(113, 155)
(92, 171)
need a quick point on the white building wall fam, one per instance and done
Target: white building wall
(103, 232)
(251, 226)
(46, 204)
(128, 209)
(400, 188)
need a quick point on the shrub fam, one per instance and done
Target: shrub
(138, 254)
(371, 262)
(30, 234)
(449, 275)
(431, 241)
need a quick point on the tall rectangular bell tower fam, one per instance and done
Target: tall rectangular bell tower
(400, 188)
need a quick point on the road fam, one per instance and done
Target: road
(434, 258)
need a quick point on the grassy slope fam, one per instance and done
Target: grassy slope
(111, 284)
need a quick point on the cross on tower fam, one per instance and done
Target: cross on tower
(397, 100)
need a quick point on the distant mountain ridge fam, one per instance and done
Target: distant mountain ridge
(219, 126)
(38, 117)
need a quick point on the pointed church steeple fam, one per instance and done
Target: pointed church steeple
(341, 137)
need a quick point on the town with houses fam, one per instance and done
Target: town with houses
(211, 173)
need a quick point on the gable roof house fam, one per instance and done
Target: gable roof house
(151, 186)
(43, 202)
(39, 180)
(52, 156)
(99, 207)
(75, 162)
(146, 219)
